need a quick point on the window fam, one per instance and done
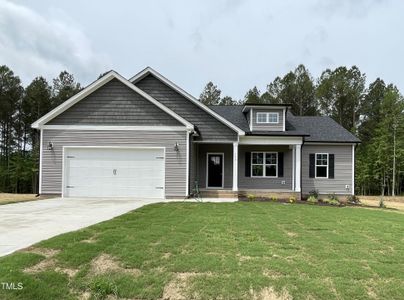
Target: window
(267, 117)
(321, 165)
(262, 117)
(264, 164)
(273, 118)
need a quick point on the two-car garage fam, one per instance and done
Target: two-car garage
(114, 172)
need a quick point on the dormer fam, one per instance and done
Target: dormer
(266, 117)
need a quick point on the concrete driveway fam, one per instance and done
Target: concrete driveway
(26, 223)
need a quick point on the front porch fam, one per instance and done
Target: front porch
(258, 166)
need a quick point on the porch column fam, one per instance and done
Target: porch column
(298, 164)
(235, 166)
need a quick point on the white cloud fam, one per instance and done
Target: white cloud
(33, 45)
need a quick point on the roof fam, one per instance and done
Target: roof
(149, 70)
(96, 85)
(314, 129)
(322, 129)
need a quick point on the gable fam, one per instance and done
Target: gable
(114, 103)
(209, 128)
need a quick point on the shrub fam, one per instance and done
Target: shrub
(331, 201)
(274, 198)
(381, 203)
(353, 199)
(251, 197)
(312, 199)
(333, 197)
(314, 193)
(292, 199)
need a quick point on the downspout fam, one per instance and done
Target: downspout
(190, 154)
(301, 169)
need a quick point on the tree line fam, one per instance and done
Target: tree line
(374, 113)
(19, 108)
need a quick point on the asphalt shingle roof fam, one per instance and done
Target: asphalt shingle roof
(314, 129)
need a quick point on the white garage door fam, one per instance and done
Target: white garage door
(114, 172)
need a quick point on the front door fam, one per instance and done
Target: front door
(215, 170)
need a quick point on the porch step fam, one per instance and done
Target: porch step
(218, 194)
(243, 194)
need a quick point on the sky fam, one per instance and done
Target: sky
(236, 44)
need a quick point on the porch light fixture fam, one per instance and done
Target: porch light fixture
(50, 146)
(176, 147)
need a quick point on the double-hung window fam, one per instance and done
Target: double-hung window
(267, 118)
(264, 164)
(321, 166)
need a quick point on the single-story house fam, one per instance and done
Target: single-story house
(148, 138)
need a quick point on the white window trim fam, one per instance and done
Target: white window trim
(207, 170)
(267, 114)
(259, 114)
(277, 117)
(264, 164)
(315, 165)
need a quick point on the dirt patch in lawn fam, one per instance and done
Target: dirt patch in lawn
(291, 233)
(91, 240)
(106, 263)
(7, 198)
(49, 263)
(47, 252)
(178, 288)
(374, 201)
(43, 265)
(268, 293)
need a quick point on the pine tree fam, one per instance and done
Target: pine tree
(253, 96)
(296, 88)
(210, 94)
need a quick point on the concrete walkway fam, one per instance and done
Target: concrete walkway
(26, 223)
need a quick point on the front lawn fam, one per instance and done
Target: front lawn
(219, 250)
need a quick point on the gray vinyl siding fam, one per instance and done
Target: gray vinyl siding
(209, 127)
(115, 104)
(175, 169)
(265, 183)
(227, 150)
(342, 171)
(268, 127)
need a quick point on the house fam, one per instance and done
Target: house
(148, 138)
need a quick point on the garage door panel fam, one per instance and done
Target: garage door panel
(111, 172)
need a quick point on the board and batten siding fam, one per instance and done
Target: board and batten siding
(267, 127)
(245, 182)
(115, 104)
(209, 128)
(175, 168)
(342, 170)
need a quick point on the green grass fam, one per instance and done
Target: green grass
(224, 250)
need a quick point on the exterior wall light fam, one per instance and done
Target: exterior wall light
(176, 147)
(50, 146)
